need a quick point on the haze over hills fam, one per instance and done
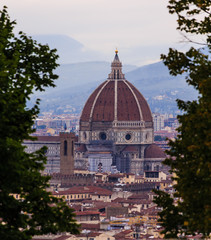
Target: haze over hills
(69, 49)
(77, 81)
(79, 75)
(83, 73)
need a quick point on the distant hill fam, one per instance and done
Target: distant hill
(68, 49)
(77, 81)
(154, 78)
(82, 73)
(79, 75)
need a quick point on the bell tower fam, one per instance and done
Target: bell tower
(67, 141)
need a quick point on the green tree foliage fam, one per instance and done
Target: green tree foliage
(25, 66)
(189, 209)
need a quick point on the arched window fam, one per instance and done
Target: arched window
(156, 168)
(72, 149)
(65, 148)
(100, 167)
(117, 74)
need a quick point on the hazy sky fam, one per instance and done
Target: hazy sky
(139, 28)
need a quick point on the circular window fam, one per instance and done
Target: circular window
(128, 136)
(103, 136)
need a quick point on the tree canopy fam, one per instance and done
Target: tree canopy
(188, 210)
(25, 66)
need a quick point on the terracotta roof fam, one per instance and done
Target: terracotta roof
(94, 234)
(123, 234)
(130, 148)
(139, 196)
(46, 139)
(86, 213)
(90, 226)
(124, 200)
(81, 148)
(102, 204)
(90, 234)
(82, 190)
(51, 237)
(153, 151)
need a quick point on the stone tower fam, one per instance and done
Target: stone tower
(67, 153)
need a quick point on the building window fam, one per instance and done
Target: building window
(65, 148)
(100, 167)
(128, 136)
(72, 150)
(84, 135)
(103, 136)
(117, 74)
(156, 168)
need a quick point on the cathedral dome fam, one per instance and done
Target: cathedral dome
(116, 128)
(116, 99)
(153, 151)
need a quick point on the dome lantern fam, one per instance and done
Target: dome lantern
(116, 68)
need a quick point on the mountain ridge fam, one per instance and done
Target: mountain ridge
(77, 81)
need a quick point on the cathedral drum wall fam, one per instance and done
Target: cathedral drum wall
(134, 136)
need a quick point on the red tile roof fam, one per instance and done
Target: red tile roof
(139, 196)
(46, 139)
(153, 151)
(129, 148)
(90, 226)
(86, 213)
(51, 238)
(85, 190)
(123, 235)
(81, 148)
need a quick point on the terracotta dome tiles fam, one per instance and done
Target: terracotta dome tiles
(85, 116)
(147, 116)
(127, 109)
(101, 104)
(104, 106)
(153, 151)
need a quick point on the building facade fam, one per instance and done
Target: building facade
(158, 120)
(60, 152)
(116, 128)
